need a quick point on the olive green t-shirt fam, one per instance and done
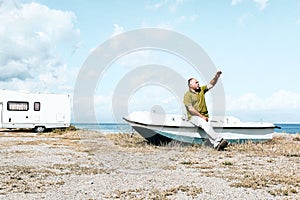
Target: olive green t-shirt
(197, 100)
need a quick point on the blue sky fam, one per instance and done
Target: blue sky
(44, 43)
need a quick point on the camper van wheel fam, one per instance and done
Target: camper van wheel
(39, 129)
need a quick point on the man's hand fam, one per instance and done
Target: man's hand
(218, 74)
(193, 111)
(206, 118)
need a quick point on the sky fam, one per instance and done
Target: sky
(45, 43)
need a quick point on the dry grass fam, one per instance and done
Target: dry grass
(30, 179)
(250, 165)
(274, 163)
(63, 130)
(280, 145)
(128, 140)
(256, 165)
(131, 143)
(190, 191)
(37, 179)
(273, 166)
(25, 179)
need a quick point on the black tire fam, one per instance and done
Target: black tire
(39, 129)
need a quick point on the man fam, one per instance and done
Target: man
(194, 101)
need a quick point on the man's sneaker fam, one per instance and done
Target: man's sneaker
(222, 145)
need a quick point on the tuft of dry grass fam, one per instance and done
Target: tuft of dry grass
(139, 193)
(283, 191)
(254, 165)
(127, 140)
(63, 130)
(281, 145)
(29, 179)
(131, 142)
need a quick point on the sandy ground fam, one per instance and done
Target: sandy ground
(89, 165)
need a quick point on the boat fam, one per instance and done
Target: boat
(160, 128)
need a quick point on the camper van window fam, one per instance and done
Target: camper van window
(17, 106)
(37, 106)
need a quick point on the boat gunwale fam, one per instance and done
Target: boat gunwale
(217, 127)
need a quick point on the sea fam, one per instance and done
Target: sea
(105, 127)
(290, 128)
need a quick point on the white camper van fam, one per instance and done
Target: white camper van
(33, 110)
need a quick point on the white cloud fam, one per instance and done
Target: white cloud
(235, 2)
(280, 100)
(262, 4)
(174, 5)
(184, 19)
(171, 5)
(242, 20)
(281, 106)
(155, 6)
(118, 29)
(31, 38)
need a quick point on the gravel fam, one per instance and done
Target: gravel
(90, 165)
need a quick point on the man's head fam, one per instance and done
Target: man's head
(194, 84)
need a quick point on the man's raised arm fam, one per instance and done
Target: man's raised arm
(213, 82)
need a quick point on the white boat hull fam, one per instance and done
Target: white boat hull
(178, 129)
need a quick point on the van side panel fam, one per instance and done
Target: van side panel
(29, 110)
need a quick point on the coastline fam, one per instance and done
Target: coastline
(86, 164)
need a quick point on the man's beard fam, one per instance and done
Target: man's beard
(198, 90)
